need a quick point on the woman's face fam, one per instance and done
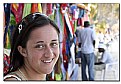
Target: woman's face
(42, 49)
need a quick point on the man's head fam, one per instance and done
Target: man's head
(101, 48)
(86, 24)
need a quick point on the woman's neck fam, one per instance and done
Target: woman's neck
(31, 74)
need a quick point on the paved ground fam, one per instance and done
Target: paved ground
(114, 50)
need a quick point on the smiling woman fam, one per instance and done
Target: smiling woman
(35, 48)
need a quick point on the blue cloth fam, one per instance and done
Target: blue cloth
(87, 59)
(81, 13)
(72, 8)
(78, 54)
(7, 11)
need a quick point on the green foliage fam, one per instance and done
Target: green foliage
(107, 14)
(93, 12)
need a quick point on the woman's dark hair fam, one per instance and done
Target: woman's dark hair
(21, 35)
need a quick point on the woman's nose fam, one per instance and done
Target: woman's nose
(48, 52)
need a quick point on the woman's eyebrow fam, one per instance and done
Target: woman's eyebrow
(43, 41)
(54, 40)
(40, 42)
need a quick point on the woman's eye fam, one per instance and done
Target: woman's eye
(40, 46)
(54, 44)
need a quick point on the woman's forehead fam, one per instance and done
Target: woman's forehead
(45, 33)
(45, 30)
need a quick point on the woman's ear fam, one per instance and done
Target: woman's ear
(22, 51)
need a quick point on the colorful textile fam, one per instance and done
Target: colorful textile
(69, 27)
(7, 19)
(39, 7)
(34, 8)
(81, 13)
(49, 8)
(17, 10)
(26, 10)
(11, 26)
(58, 76)
(6, 63)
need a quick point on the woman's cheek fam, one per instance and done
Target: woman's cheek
(57, 53)
(36, 55)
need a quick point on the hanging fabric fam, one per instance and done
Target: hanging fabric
(64, 6)
(86, 17)
(15, 16)
(44, 8)
(65, 57)
(26, 10)
(49, 9)
(79, 22)
(34, 7)
(3, 21)
(59, 21)
(7, 19)
(12, 24)
(17, 10)
(39, 7)
(81, 13)
(7, 46)
(57, 70)
(72, 8)
(64, 64)
(70, 45)
(68, 24)
(75, 25)
(68, 35)
(74, 12)
(6, 61)
(71, 65)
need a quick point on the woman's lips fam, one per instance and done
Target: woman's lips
(47, 61)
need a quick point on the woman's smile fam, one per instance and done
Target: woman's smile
(47, 61)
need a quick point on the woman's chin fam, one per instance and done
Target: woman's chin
(47, 71)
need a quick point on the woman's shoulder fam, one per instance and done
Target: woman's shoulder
(13, 76)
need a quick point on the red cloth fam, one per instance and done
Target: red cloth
(49, 8)
(34, 7)
(63, 6)
(6, 63)
(65, 59)
(79, 22)
(17, 9)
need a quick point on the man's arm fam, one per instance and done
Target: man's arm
(94, 43)
(79, 45)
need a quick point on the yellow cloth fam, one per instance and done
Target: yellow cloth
(15, 5)
(39, 8)
(8, 46)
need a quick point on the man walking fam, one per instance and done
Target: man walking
(87, 42)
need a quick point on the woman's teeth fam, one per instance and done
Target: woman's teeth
(47, 61)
